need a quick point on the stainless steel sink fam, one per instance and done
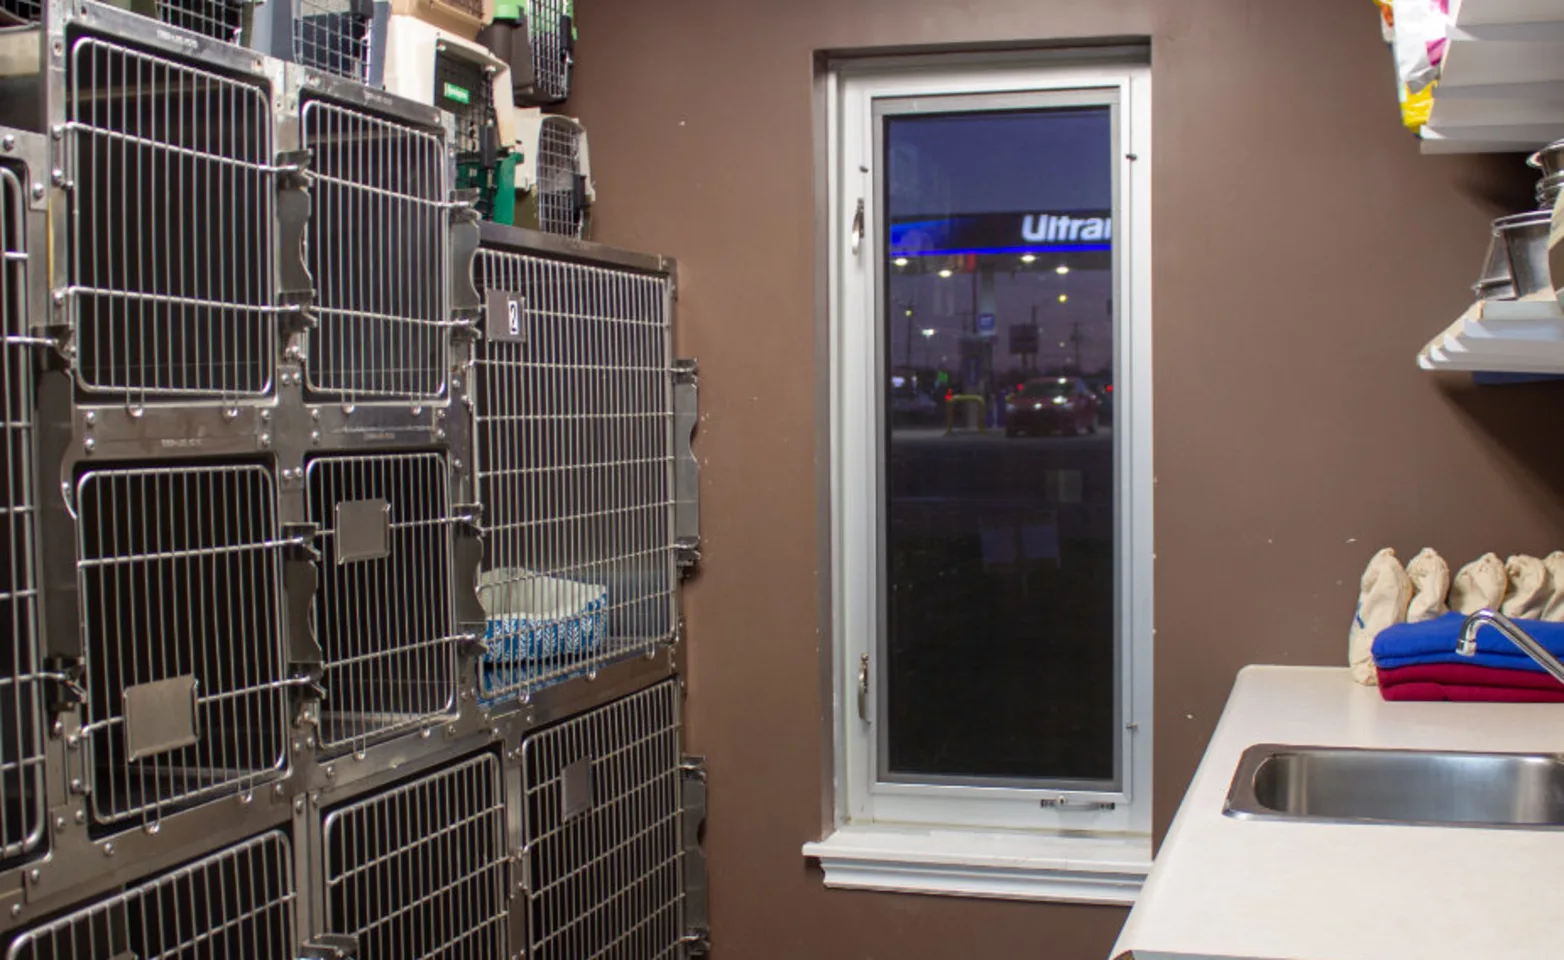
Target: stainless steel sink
(1398, 786)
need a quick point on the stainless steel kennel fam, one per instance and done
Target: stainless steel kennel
(269, 455)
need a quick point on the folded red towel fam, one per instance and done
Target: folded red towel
(1468, 693)
(1467, 675)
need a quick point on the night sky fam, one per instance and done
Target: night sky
(1021, 162)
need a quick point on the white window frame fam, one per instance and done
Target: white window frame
(1053, 841)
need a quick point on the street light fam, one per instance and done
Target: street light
(1028, 257)
(1061, 269)
(900, 261)
(1063, 297)
(945, 274)
(928, 332)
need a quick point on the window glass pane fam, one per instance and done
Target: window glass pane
(999, 530)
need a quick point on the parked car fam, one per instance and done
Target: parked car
(1102, 389)
(910, 406)
(1051, 405)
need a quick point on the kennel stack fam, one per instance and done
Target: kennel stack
(346, 529)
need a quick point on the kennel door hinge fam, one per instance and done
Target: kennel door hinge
(521, 872)
(66, 689)
(686, 469)
(692, 815)
(697, 943)
(329, 946)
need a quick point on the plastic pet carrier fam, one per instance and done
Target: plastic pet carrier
(552, 183)
(538, 39)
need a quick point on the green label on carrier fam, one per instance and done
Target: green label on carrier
(459, 94)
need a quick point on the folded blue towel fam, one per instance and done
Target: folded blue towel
(1434, 641)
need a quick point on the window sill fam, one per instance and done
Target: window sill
(1006, 866)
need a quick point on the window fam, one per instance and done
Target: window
(991, 477)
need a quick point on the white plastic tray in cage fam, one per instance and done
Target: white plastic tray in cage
(420, 58)
(534, 617)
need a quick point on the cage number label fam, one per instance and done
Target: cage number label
(459, 94)
(504, 315)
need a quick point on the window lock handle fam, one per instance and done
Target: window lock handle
(863, 688)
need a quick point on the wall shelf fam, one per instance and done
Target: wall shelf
(1501, 86)
(1500, 336)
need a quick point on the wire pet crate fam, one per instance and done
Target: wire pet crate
(421, 870)
(225, 20)
(384, 614)
(238, 902)
(21, 694)
(172, 291)
(179, 580)
(601, 814)
(378, 249)
(555, 187)
(573, 415)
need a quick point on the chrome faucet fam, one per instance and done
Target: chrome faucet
(1467, 647)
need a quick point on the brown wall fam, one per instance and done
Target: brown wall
(1303, 251)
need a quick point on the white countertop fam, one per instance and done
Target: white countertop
(1275, 890)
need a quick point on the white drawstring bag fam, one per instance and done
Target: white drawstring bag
(1430, 577)
(1530, 587)
(1383, 596)
(1554, 608)
(1480, 585)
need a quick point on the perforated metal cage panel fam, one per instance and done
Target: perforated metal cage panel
(573, 415)
(378, 240)
(421, 869)
(238, 902)
(179, 576)
(601, 816)
(560, 200)
(218, 19)
(172, 227)
(550, 28)
(21, 736)
(333, 36)
(463, 88)
(383, 614)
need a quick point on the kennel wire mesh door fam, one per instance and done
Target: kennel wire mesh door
(21, 692)
(179, 583)
(573, 416)
(378, 248)
(384, 614)
(561, 185)
(336, 37)
(421, 869)
(551, 30)
(602, 830)
(238, 902)
(171, 228)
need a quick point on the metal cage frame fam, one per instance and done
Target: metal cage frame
(23, 680)
(604, 830)
(588, 530)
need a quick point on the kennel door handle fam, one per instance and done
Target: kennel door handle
(863, 688)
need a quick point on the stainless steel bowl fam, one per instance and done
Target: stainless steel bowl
(1550, 159)
(1494, 282)
(1525, 237)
